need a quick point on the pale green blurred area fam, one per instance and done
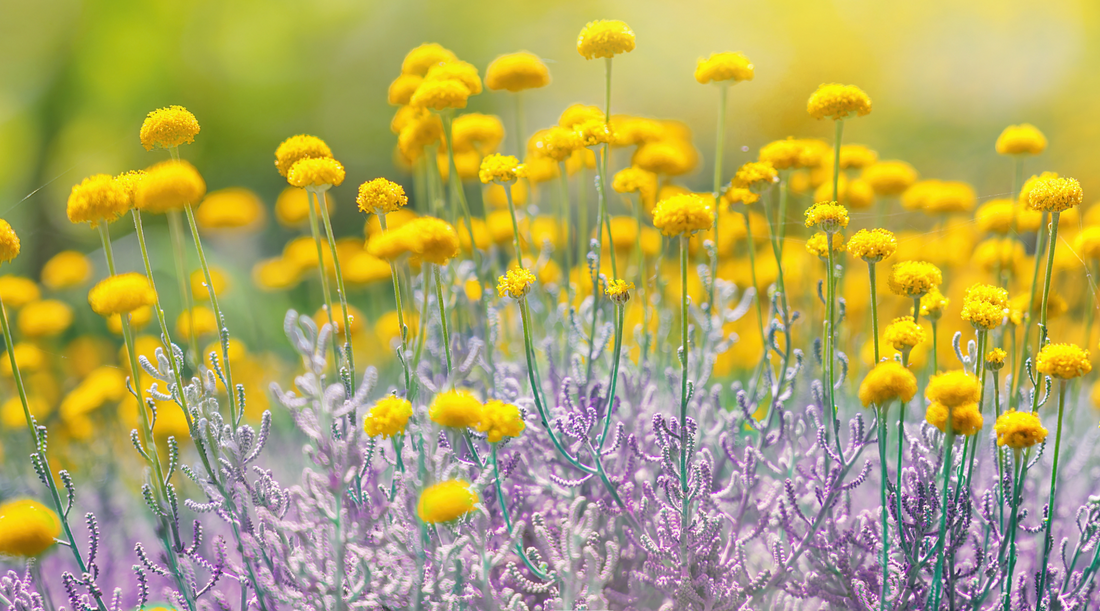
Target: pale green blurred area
(76, 79)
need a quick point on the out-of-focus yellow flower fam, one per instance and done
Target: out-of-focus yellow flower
(45, 318)
(605, 38)
(721, 67)
(500, 420)
(480, 231)
(121, 294)
(872, 245)
(321, 317)
(576, 114)
(637, 180)
(420, 128)
(98, 198)
(17, 291)
(232, 208)
(103, 385)
(457, 71)
(516, 283)
(684, 214)
(446, 501)
(381, 196)
(1054, 194)
(501, 169)
(441, 94)
(755, 176)
(1087, 243)
(431, 239)
(422, 58)
(666, 157)
(888, 381)
(387, 327)
(199, 290)
(316, 172)
(365, 268)
(1017, 306)
(904, 334)
(27, 528)
(1063, 361)
(476, 131)
(953, 388)
(168, 127)
(28, 357)
(914, 278)
(296, 148)
(1006, 254)
(996, 216)
(66, 269)
(292, 206)
(1019, 430)
(388, 417)
(818, 244)
(472, 289)
(539, 169)
(835, 101)
(517, 72)
(856, 156)
(829, 216)
(199, 321)
(456, 409)
(965, 419)
(557, 143)
(402, 89)
(594, 132)
(1023, 139)
(985, 306)
(634, 131)
(169, 185)
(276, 274)
(782, 154)
(856, 194)
(933, 303)
(889, 178)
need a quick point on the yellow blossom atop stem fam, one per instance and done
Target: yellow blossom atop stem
(904, 334)
(684, 214)
(381, 196)
(446, 501)
(872, 245)
(835, 101)
(829, 216)
(317, 172)
(501, 169)
(953, 388)
(619, 290)
(168, 127)
(1019, 430)
(457, 409)
(1023, 139)
(388, 417)
(965, 419)
(500, 420)
(605, 38)
(296, 148)
(517, 72)
(721, 67)
(889, 380)
(9, 242)
(516, 283)
(914, 278)
(1063, 361)
(121, 294)
(27, 528)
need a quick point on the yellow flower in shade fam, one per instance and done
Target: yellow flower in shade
(889, 178)
(296, 148)
(232, 208)
(432, 240)
(199, 321)
(458, 71)
(28, 357)
(593, 133)
(168, 127)
(1019, 430)
(995, 359)
(501, 169)
(903, 334)
(755, 176)
(965, 418)
(441, 94)
(557, 143)
(422, 58)
(995, 216)
(138, 319)
(476, 132)
(636, 180)
(1024, 139)
(106, 384)
(782, 154)
(949, 197)
(667, 157)
(619, 291)
(364, 268)
(457, 409)
(446, 501)
(914, 278)
(381, 196)
(66, 269)
(818, 244)
(121, 294)
(579, 113)
(834, 101)
(169, 185)
(953, 388)
(1087, 243)
(97, 198)
(45, 318)
(932, 304)
(17, 291)
(388, 417)
(199, 290)
(856, 156)
(517, 72)
(888, 381)
(735, 195)
(985, 306)
(1063, 361)
(27, 528)
(317, 172)
(276, 274)
(872, 245)
(402, 89)
(721, 67)
(292, 207)
(829, 216)
(605, 38)
(1055, 194)
(684, 214)
(500, 420)
(516, 283)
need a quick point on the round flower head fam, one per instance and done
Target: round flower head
(432, 240)
(168, 127)
(856, 156)
(457, 409)
(66, 269)
(232, 208)
(463, 72)
(121, 294)
(422, 58)
(889, 178)
(501, 169)
(579, 113)
(932, 304)
(500, 420)
(782, 154)
(914, 278)
(953, 388)
(9, 242)
(97, 198)
(381, 196)
(995, 359)
(316, 172)
(477, 132)
(684, 214)
(985, 306)
(834, 101)
(636, 180)
(402, 89)
(889, 380)
(755, 176)
(1019, 430)
(619, 291)
(296, 148)
(45, 318)
(593, 133)
(446, 501)
(996, 216)
(441, 94)
(605, 38)
(818, 244)
(27, 528)
(517, 72)
(196, 322)
(388, 417)
(1055, 194)
(903, 334)
(1029, 184)
(667, 157)
(949, 197)
(735, 195)
(516, 283)
(965, 419)
(1024, 139)
(556, 143)
(17, 291)
(872, 245)
(721, 67)
(1063, 361)
(169, 185)
(829, 216)
(1087, 243)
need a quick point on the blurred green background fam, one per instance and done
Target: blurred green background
(77, 78)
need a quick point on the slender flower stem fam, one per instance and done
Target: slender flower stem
(497, 481)
(341, 292)
(874, 308)
(314, 228)
(1040, 248)
(1019, 472)
(752, 273)
(1043, 311)
(938, 551)
(719, 146)
(685, 502)
(175, 231)
(836, 160)
(521, 136)
(901, 460)
(619, 318)
(829, 336)
(515, 224)
(443, 320)
(883, 603)
(1048, 523)
(402, 327)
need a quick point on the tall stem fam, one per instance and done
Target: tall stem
(619, 318)
(836, 159)
(937, 575)
(1048, 523)
(719, 146)
(1019, 473)
(750, 243)
(402, 328)
(830, 339)
(341, 292)
(685, 503)
(443, 320)
(1040, 246)
(874, 308)
(175, 231)
(883, 603)
(1043, 311)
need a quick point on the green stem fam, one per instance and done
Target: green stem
(508, 518)
(515, 223)
(685, 502)
(874, 308)
(719, 146)
(443, 321)
(314, 228)
(620, 312)
(341, 292)
(521, 136)
(937, 575)
(752, 272)
(1040, 246)
(1043, 311)
(1019, 473)
(836, 159)
(1048, 523)
(404, 329)
(883, 603)
(175, 230)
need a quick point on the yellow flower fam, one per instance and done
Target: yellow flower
(684, 214)
(726, 66)
(903, 334)
(422, 58)
(472, 289)
(276, 274)
(66, 269)
(388, 417)
(292, 206)
(441, 94)
(138, 319)
(1055, 194)
(995, 359)
(1024, 139)
(755, 176)
(782, 154)
(1063, 361)
(914, 278)
(28, 358)
(364, 268)
(390, 245)
(1087, 243)
(500, 420)
(446, 501)
(593, 133)
(829, 216)
(199, 290)
(995, 216)
(619, 290)
(605, 38)
(27, 528)
(97, 198)
(381, 196)
(516, 283)
(121, 294)
(856, 156)
(735, 195)
(501, 169)
(457, 409)
(576, 114)
(431, 239)
(457, 71)
(1029, 184)
(985, 306)
(837, 102)
(402, 89)
(478, 132)
(889, 178)
(818, 244)
(168, 127)
(387, 328)
(666, 157)
(947, 197)
(169, 185)
(965, 419)
(45, 318)
(199, 321)
(872, 245)
(888, 380)
(637, 180)
(932, 304)
(296, 148)
(1019, 430)
(106, 384)
(1056, 306)
(953, 388)
(635, 131)
(232, 208)
(17, 291)
(517, 72)
(557, 143)
(420, 128)
(315, 172)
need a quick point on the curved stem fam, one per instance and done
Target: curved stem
(619, 318)
(316, 231)
(937, 551)
(443, 320)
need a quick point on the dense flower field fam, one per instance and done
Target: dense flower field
(560, 378)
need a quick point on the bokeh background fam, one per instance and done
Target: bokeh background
(77, 77)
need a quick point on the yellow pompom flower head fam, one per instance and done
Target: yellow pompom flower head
(98, 198)
(889, 380)
(318, 173)
(388, 417)
(684, 214)
(27, 528)
(9, 242)
(1063, 361)
(423, 58)
(755, 176)
(500, 169)
(932, 304)
(516, 283)
(872, 245)
(296, 148)
(995, 359)
(381, 196)
(965, 419)
(517, 72)
(168, 128)
(953, 388)
(837, 102)
(66, 269)
(985, 306)
(1023, 139)
(830, 217)
(1054, 194)
(122, 294)
(904, 334)
(167, 186)
(619, 290)
(446, 501)
(914, 278)
(724, 68)
(818, 244)
(441, 94)
(1019, 430)
(605, 38)
(500, 420)
(456, 409)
